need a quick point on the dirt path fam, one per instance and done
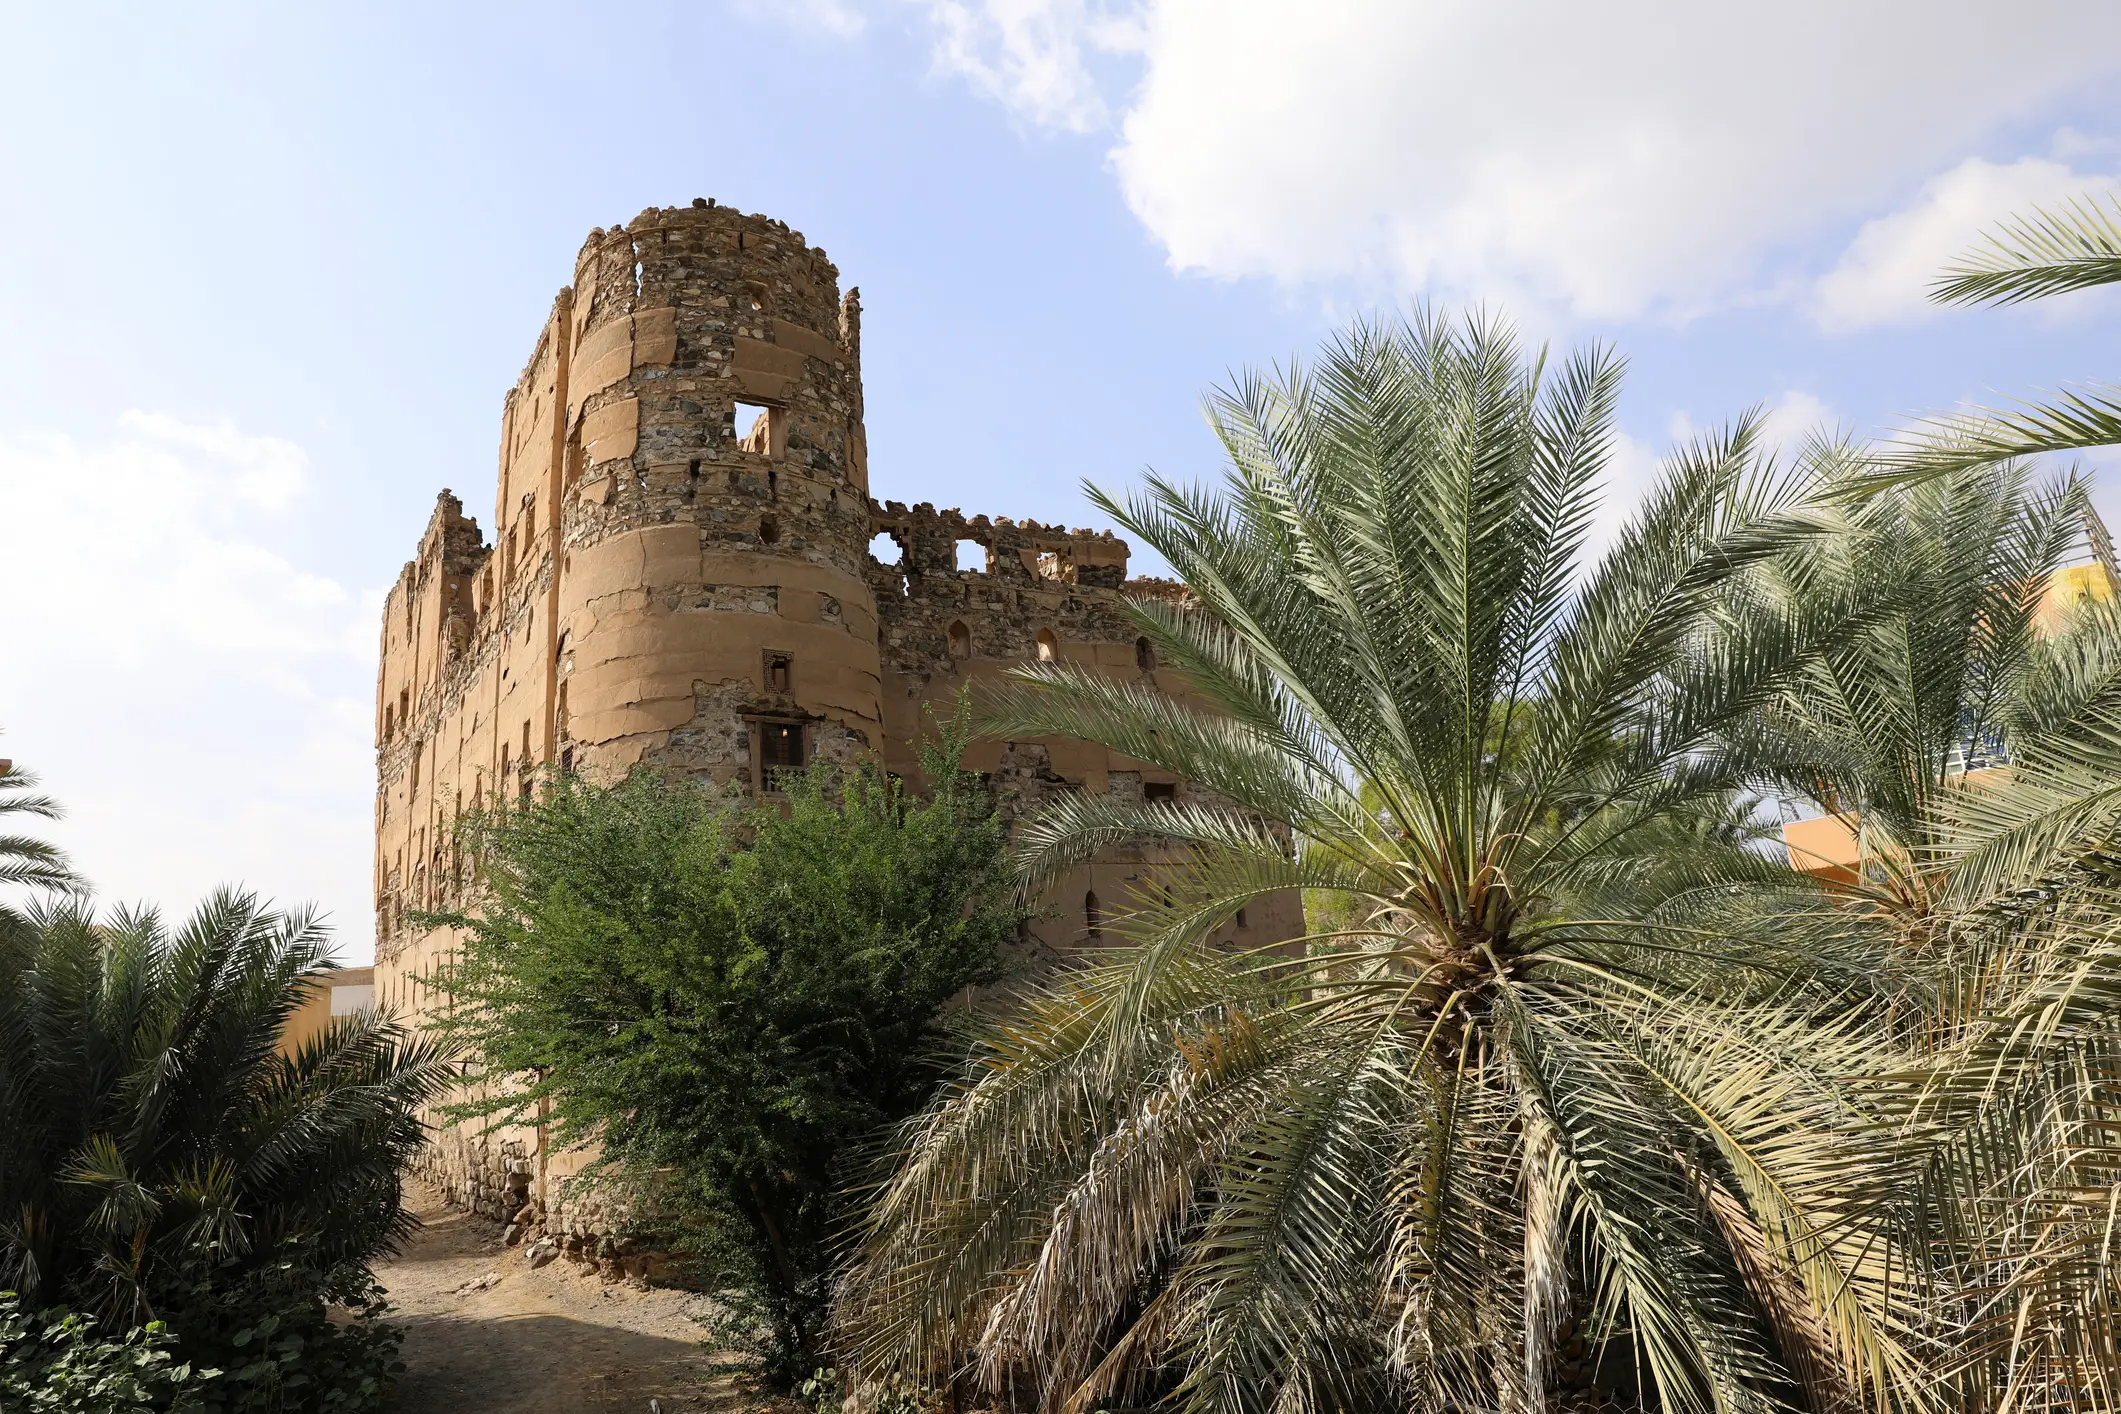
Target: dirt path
(550, 1341)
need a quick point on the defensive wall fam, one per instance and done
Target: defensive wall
(680, 576)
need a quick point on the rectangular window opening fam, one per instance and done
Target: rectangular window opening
(759, 428)
(780, 751)
(971, 555)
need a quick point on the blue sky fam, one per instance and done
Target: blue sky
(265, 272)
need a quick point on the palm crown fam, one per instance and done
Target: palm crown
(1521, 1126)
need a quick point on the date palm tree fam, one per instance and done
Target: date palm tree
(1959, 660)
(25, 859)
(152, 1124)
(1544, 1118)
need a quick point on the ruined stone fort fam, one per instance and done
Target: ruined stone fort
(679, 575)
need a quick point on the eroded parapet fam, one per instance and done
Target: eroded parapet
(1023, 552)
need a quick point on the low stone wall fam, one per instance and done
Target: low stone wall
(495, 1175)
(485, 1173)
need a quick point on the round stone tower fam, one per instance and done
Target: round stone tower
(711, 612)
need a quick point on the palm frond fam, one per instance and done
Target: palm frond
(2046, 252)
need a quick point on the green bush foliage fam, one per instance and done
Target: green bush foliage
(738, 1001)
(60, 1362)
(268, 1328)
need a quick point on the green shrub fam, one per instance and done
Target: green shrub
(735, 1003)
(59, 1362)
(268, 1328)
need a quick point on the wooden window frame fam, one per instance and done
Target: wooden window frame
(755, 726)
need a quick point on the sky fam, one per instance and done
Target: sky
(267, 270)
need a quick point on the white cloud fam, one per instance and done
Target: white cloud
(1787, 420)
(1615, 161)
(1795, 416)
(1630, 472)
(198, 703)
(1885, 275)
(835, 19)
(1032, 55)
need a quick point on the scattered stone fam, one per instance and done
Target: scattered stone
(510, 1233)
(541, 1252)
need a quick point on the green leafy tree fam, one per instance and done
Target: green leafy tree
(162, 1156)
(1966, 730)
(741, 999)
(1529, 1122)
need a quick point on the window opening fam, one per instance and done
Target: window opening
(971, 555)
(777, 671)
(780, 751)
(769, 530)
(1159, 790)
(1093, 919)
(960, 640)
(1145, 655)
(748, 422)
(1048, 646)
(885, 549)
(1241, 918)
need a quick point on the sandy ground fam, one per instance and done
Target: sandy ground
(551, 1341)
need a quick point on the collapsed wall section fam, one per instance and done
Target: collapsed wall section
(963, 600)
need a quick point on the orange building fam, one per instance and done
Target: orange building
(341, 992)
